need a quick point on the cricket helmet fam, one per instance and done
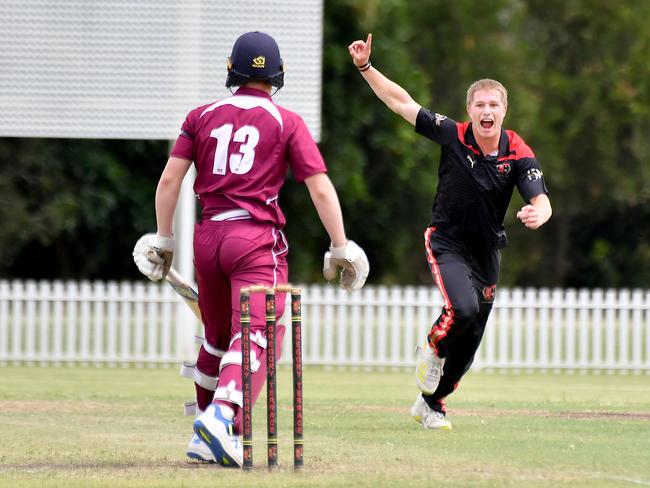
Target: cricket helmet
(255, 56)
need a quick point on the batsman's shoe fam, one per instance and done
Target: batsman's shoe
(215, 428)
(428, 370)
(429, 418)
(199, 450)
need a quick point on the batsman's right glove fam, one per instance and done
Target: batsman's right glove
(153, 255)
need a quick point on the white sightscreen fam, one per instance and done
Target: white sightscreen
(132, 69)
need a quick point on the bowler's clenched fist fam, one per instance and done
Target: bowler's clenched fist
(529, 216)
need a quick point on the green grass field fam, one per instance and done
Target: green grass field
(84, 427)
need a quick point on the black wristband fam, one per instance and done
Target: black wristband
(365, 67)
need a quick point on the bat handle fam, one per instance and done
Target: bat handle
(154, 256)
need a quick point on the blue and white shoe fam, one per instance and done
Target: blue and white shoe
(199, 450)
(215, 428)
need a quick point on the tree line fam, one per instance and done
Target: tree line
(577, 74)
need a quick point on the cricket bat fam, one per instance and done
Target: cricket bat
(185, 290)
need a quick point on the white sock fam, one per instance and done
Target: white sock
(226, 412)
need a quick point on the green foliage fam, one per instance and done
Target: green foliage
(373, 156)
(592, 97)
(74, 208)
(578, 75)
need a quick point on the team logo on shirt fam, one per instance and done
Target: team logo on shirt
(534, 174)
(439, 119)
(488, 293)
(503, 169)
(259, 62)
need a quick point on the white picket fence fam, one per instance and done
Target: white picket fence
(378, 327)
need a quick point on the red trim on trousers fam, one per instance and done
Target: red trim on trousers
(439, 330)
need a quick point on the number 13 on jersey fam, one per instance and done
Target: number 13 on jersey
(240, 162)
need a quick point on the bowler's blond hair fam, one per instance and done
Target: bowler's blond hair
(487, 84)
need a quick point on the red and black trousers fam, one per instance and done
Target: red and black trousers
(467, 282)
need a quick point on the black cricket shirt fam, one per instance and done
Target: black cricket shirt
(474, 190)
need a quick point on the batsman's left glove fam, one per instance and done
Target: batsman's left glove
(349, 263)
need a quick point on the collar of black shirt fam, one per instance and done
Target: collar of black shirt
(470, 140)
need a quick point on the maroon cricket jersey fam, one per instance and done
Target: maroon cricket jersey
(242, 147)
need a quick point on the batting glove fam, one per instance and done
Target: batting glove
(153, 255)
(349, 263)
